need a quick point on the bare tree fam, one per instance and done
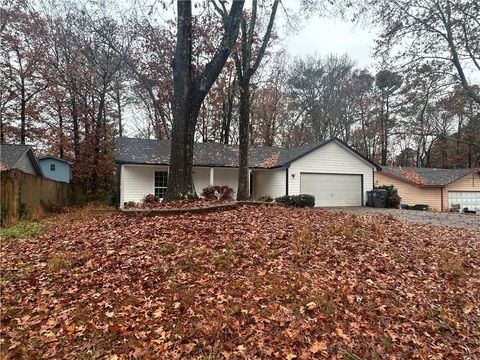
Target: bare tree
(247, 64)
(444, 30)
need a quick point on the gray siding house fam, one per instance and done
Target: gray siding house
(55, 168)
(19, 157)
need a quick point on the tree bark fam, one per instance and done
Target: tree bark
(119, 110)
(228, 112)
(180, 181)
(60, 128)
(245, 71)
(244, 136)
(189, 93)
(23, 104)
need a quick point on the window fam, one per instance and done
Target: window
(160, 184)
(52, 167)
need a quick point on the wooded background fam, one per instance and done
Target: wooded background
(74, 76)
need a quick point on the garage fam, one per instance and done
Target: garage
(466, 199)
(333, 189)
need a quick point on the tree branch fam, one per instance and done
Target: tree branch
(205, 80)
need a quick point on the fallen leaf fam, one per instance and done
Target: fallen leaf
(109, 314)
(318, 346)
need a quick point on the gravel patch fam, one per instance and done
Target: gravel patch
(456, 220)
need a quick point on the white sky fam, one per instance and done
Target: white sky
(333, 36)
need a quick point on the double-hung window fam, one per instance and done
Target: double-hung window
(160, 184)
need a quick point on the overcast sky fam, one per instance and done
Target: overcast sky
(333, 36)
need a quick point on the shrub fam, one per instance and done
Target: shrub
(218, 192)
(4, 213)
(302, 200)
(130, 204)
(265, 198)
(23, 210)
(151, 199)
(392, 199)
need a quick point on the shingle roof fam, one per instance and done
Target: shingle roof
(426, 176)
(10, 154)
(55, 158)
(148, 151)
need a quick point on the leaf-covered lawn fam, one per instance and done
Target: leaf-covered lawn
(256, 283)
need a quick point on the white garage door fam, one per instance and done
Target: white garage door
(469, 199)
(333, 189)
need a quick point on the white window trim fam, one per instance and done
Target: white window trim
(159, 187)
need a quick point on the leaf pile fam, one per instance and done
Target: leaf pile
(177, 204)
(254, 282)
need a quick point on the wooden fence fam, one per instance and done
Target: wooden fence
(24, 196)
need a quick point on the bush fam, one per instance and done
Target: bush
(265, 198)
(302, 200)
(218, 192)
(151, 199)
(130, 204)
(4, 213)
(392, 199)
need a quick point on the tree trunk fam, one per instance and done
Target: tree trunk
(74, 115)
(382, 133)
(189, 93)
(119, 109)
(243, 192)
(98, 133)
(60, 126)
(227, 113)
(23, 104)
(180, 181)
(2, 134)
(245, 71)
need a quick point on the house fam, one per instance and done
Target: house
(437, 188)
(332, 171)
(55, 168)
(19, 157)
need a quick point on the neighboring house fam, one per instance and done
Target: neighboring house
(56, 168)
(331, 170)
(437, 188)
(19, 157)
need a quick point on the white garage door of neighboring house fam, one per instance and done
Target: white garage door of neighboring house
(333, 189)
(469, 199)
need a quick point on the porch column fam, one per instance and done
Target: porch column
(212, 176)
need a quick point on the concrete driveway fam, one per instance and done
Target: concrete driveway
(458, 220)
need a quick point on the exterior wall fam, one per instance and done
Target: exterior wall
(62, 169)
(269, 182)
(201, 178)
(332, 158)
(412, 194)
(226, 176)
(471, 182)
(136, 181)
(25, 165)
